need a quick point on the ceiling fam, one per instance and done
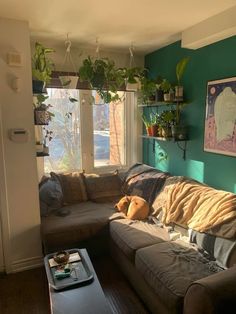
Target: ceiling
(147, 25)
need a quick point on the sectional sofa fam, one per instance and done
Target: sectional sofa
(182, 259)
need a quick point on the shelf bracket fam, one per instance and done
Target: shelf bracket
(184, 148)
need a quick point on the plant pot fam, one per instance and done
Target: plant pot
(166, 132)
(41, 117)
(179, 93)
(168, 97)
(154, 130)
(152, 98)
(133, 86)
(159, 95)
(149, 131)
(38, 87)
(179, 132)
(69, 82)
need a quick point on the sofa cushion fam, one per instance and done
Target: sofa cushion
(103, 188)
(85, 220)
(131, 235)
(144, 181)
(73, 187)
(50, 196)
(219, 249)
(169, 268)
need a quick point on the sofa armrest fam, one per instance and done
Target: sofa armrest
(212, 294)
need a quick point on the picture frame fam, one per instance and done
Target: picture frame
(220, 118)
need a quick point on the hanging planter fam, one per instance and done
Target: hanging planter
(69, 81)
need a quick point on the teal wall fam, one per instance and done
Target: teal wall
(212, 62)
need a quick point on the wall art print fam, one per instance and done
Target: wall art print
(220, 121)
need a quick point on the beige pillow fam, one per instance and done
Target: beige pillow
(103, 188)
(73, 187)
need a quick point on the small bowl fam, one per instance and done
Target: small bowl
(61, 257)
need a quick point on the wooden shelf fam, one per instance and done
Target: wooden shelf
(166, 139)
(42, 154)
(160, 103)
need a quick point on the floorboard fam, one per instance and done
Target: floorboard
(27, 292)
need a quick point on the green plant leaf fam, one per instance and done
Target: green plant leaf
(180, 67)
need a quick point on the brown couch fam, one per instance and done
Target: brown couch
(173, 268)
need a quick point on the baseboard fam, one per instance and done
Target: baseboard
(25, 264)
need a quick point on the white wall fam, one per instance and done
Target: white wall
(78, 53)
(18, 171)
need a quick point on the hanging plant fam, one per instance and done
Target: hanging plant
(102, 75)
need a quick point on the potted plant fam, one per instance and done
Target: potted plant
(69, 81)
(47, 139)
(42, 67)
(132, 77)
(155, 123)
(167, 118)
(41, 114)
(147, 124)
(159, 89)
(180, 68)
(147, 93)
(167, 90)
(102, 75)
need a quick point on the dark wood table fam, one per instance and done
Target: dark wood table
(88, 299)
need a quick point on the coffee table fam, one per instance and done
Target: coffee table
(87, 299)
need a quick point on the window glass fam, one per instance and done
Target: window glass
(108, 132)
(64, 146)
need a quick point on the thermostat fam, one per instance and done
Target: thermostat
(19, 135)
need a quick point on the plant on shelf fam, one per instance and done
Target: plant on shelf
(159, 89)
(47, 139)
(180, 68)
(102, 75)
(167, 119)
(42, 67)
(147, 124)
(168, 90)
(147, 93)
(41, 114)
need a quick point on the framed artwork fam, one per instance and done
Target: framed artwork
(220, 120)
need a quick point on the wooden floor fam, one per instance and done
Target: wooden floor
(27, 292)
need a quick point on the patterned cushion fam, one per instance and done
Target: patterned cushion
(73, 187)
(50, 196)
(144, 181)
(103, 188)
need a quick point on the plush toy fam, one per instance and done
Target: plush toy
(134, 207)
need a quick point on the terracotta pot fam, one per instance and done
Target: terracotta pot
(155, 129)
(149, 131)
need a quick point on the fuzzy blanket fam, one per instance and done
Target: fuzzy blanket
(200, 207)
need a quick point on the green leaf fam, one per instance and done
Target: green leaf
(180, 67)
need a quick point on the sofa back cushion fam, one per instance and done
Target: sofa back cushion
(73, 187)
(103, 188)
(50, 196)
(144, 181)
(219, 249)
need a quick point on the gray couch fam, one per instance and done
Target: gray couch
(172, 271)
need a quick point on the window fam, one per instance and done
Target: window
(88, 134)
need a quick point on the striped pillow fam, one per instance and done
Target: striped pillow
(73, 187)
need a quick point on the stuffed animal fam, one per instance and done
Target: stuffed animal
(134, 207)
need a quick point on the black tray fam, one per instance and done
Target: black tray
(81, 276)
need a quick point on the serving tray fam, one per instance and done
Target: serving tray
(80, 272)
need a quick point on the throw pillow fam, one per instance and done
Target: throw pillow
(50, 196)
(73, 187)
(103, 188)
